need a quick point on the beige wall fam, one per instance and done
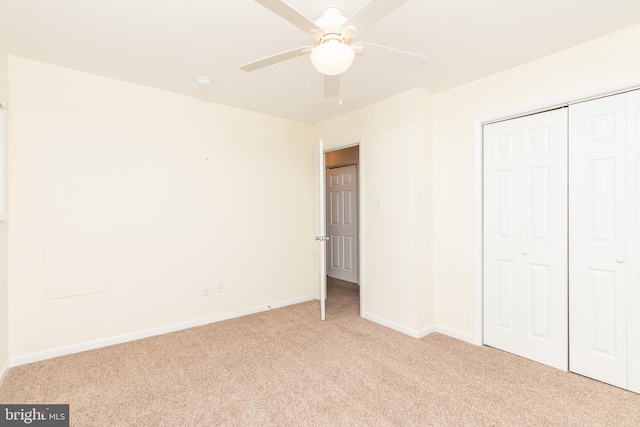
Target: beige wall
(177, 192)
(159, 193)
(592, 68)
(396, 166)
(4, 296)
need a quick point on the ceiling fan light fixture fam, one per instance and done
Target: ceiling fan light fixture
(332, 57)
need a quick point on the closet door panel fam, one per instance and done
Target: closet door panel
(544, 238)
(502, 241)
(633, 239)
(597, 239)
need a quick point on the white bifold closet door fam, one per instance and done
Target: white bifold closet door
(525, 237)
(604, 239)
(633, 240)
(597, 239)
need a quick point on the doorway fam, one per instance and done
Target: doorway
(342, 224)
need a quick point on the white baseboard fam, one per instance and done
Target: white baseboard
(415, 333)
(5, 370)
(420, 333)
(455, 334)
(119, 339)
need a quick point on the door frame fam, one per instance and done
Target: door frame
(479, 121)
(361, 221)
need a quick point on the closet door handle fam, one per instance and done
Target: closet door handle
(620, 260)
(524, 252)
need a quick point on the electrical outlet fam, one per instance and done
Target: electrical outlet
(204, 291)
(220, 287)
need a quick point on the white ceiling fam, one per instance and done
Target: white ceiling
(168, 43)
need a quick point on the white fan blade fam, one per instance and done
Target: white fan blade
(287, 12)
(274, 59)
(369, 14)
(331, 86)
(388, 55)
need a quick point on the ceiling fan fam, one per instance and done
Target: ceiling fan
(332, 52)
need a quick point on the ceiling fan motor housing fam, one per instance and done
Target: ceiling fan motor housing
(331, 20)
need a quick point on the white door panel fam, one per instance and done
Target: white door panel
(544, 238)
(343, 225)
(537, 278)
(597, 239)
(602, 320)
(335, 258)
(633, 242)
(525, 237)
(348, 256)
(502, 245)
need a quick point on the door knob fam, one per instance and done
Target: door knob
(620, 260)
(524, 252)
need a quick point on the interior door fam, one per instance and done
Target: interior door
(597, 240)
(342, 223)
(321, 236)
(544, 238)
(633, 239)
(502, 235)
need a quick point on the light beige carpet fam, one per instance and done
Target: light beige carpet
(285, 367)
